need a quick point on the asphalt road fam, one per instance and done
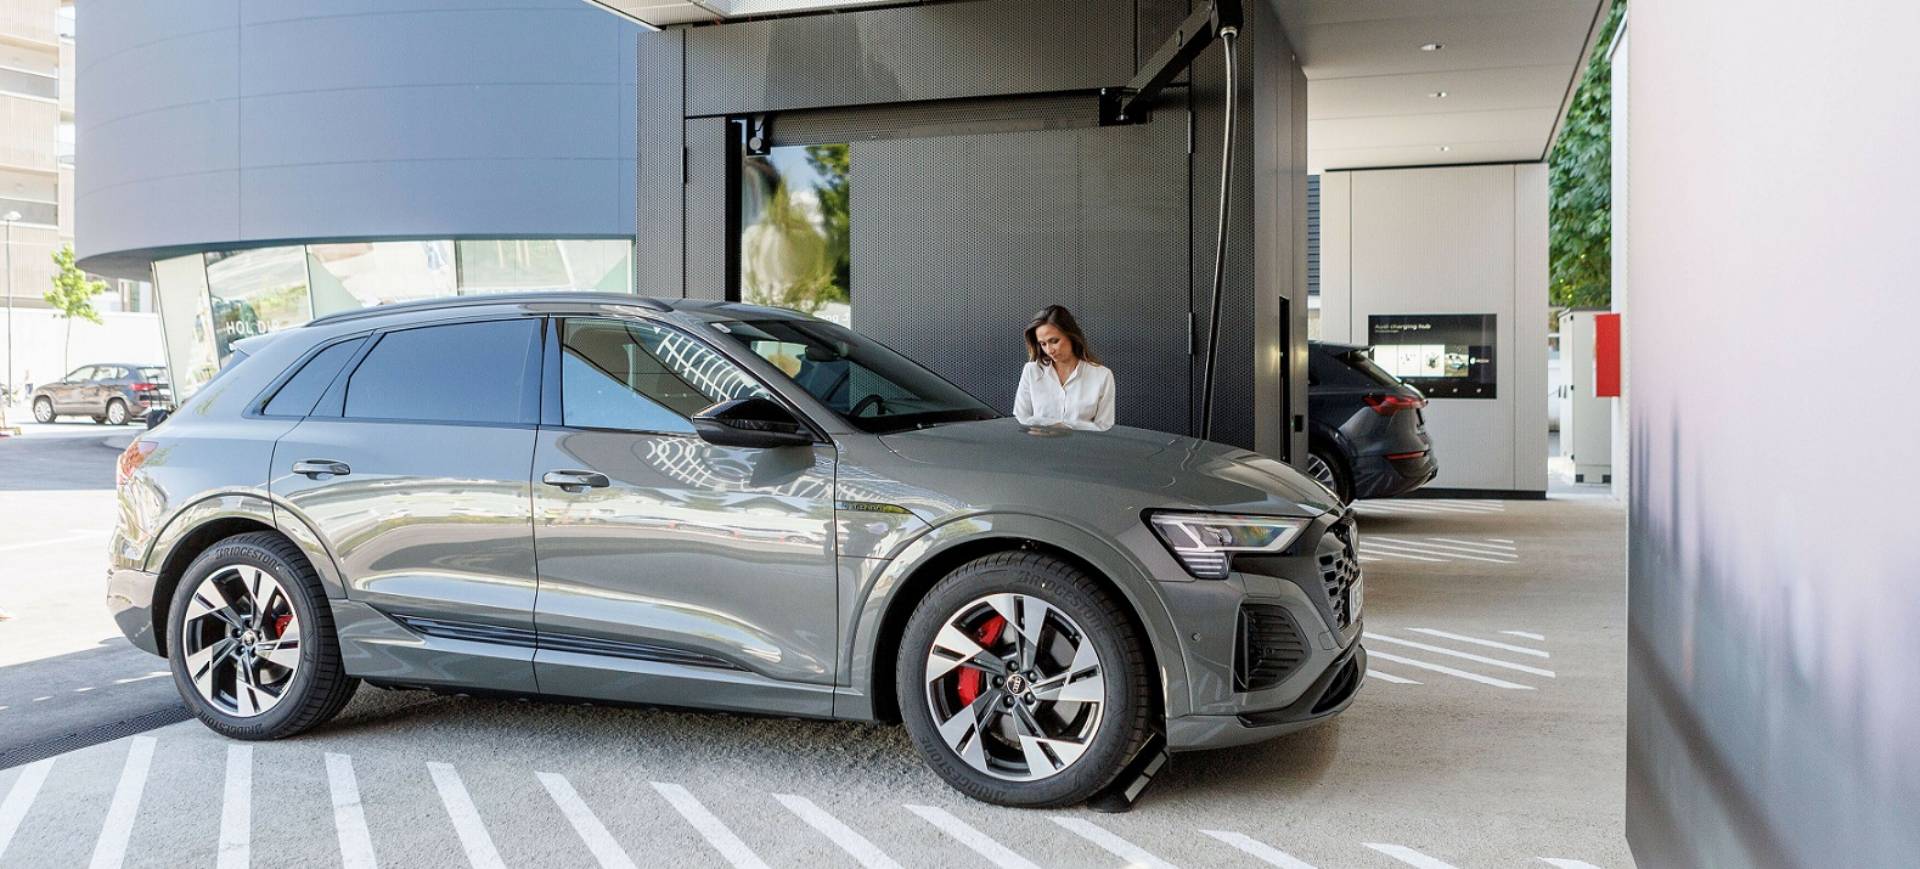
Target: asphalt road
(1490, 733)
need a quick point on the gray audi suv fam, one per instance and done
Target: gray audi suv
(611, 498)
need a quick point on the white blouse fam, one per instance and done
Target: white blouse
(1085, 401)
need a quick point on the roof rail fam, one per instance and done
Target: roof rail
(492, 299)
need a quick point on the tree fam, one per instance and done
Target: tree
(72, 295)
(1580, 214)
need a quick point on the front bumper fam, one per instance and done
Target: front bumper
(1328, 696)
(130, 600)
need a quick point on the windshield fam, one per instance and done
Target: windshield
(870, 386)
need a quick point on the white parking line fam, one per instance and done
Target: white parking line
(71, 538)
(1368, 546)
(964, 833)
(20, 799)
(1491, 644)
(585, 822)
(131, 679)
(1526, 635)
(1495, 547)
(1389, 677)
(849, 841)
(111, 850)
(1465, 656)
(1564, 863)
(349, 818)
(1409, 856)
(1259, 850)
(38, 699)
(1499, 540)
(466, 818)
(1475, 677)
(1118, 847)
(710, 827)
(236, 809)
(1441, 550)
(83, 690)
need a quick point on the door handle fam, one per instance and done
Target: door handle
(317, 468)
(576, 481)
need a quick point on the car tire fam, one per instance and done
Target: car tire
(300, 685)
(1326, 467)
(116, 412)
(43, 410)
(987, 765)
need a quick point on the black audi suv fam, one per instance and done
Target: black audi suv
(1367, 429)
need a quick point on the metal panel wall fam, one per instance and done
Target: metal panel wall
(958, 240)
(900, 55)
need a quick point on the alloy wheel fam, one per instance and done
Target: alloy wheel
(116, 413)
(1015, 687)
(1322, 473)
(242, 640)
(43, 411)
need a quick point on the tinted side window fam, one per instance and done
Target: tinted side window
(461, 372)
(297, 396)
(641, 377)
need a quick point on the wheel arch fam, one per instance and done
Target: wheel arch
(200, 525)
(891, 599)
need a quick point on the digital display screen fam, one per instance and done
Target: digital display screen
(1444, 355)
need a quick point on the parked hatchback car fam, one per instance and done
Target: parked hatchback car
(110, 392)
(728, 507)
(1367, 429)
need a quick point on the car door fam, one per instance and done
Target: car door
(67, 394)
(673, 570)
(412, 469)
(102, 386)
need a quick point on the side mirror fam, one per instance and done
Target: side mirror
(750, 422)
(157, 416)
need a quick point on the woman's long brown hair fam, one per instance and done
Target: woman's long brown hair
(1060, 318)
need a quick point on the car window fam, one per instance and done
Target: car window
(637, 376)
(298, 395)
(459, 372)
(153, 374)
(82, 374)
(870, 386)
(110, 372)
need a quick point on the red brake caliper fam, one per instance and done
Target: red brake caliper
(280, 625)
(971, 680)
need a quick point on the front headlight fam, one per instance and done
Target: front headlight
(1204, 543)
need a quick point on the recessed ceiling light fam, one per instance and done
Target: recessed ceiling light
(1432, 46)
(1446, 148)
(1438, 95)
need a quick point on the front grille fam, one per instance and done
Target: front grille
(1339, 568)
(1268, 649)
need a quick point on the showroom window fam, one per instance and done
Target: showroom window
(257, 291)
(792, 250)
(466, 372)
(641, 377)
(519, 265)
(186, 322)
(363, 274)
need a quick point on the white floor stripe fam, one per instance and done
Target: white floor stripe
(1409, 856)
(1489, 506)
(132, 679)
(466, 818)
(585, 822)
(52, 541)
(1259, 850)
(964, 833)
(1499, 540)
(111, 850)
(1465, 656)
(1370, 547)
(849, 841)
(1444, 551)
(1501, 548)
(1389, 677)
(1567, 864)
(236, 809)
(20, 799)
(710, 827)
(349, 817)
(83, 690)
(1362, 558)
(1118, 847)
(1526, 635)
(1474, 677)
(1491, 644)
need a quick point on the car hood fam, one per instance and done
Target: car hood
(1166, 469)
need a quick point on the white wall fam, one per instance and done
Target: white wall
(1452, 240)
(1622, 174)
(40, 337)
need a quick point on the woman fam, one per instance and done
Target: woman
(1063, 385)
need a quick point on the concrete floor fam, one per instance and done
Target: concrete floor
(1497, 740)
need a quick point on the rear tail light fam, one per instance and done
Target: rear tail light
(131, 459)
(1399, 457)
(1390, 404)
(143, 386)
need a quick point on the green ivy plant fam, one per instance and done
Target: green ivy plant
(1580, 212)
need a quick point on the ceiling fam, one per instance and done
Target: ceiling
(1506, 68)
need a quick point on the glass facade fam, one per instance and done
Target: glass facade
(793, 249)
(209, 301)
